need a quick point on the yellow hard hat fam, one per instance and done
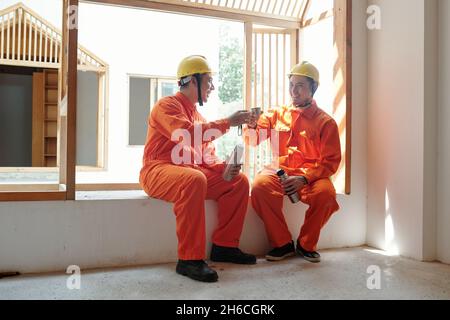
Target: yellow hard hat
(305, 69)
(192, 65)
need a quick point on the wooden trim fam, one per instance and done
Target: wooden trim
(248, 49)
(349, 97)
(305, 7)
(101, 120)
(33, 196)
(34, 187)
(32, 64)
(271, 30)
(199, 9)
(71, 103)
(295, 47)
(37, 137)
(107, 186)
(343, 64)
(62, 123)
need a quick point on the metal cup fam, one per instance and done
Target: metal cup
(257, 113)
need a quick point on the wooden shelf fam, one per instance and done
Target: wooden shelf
(45, 117)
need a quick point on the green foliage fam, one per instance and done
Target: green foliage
(231, 65)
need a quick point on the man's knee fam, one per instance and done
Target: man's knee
(197, 181)
(260, 187)
(325, 194)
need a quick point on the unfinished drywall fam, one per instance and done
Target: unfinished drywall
(443, 211)
(16, 92)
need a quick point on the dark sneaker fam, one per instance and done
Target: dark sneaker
(233, 255)
(197, 270)
(279, 253)
(311, 256)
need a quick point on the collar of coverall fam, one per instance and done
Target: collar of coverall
(184, 100)
(306, 112)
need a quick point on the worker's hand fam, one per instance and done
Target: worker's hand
(239, 118)
(253, 122)
(293, 184)
(235, 169)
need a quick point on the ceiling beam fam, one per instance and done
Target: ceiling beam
(204, 10)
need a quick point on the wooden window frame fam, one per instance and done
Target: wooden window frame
(149, 77)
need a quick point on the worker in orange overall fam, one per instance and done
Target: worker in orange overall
(309, 152)
(180, 166)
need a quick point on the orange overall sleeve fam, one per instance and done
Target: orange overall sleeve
(253, 137)
(171, 117)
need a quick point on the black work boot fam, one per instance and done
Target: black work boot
(311, 256)
(233, 255)
(197, 270)
(279, 253)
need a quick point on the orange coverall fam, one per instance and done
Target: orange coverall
(188, 185)
(309, 146)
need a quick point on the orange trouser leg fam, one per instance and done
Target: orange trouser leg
(321, 198)
(186, 188)
(232, 200)
(267, 200)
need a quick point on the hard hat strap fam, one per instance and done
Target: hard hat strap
(199, 85)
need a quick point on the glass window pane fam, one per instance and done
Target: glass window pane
(139, 110)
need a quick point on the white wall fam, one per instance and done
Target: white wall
(395, 128)
(402, 138)
(443, 216)
(430, 133)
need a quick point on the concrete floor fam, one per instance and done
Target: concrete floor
(342, 274)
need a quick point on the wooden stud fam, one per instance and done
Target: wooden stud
(19, 38)
(248, 49)
(284, 68)
(29, 41)
(37, 150)
(33, 196)
(270, 71)
(3, 39)
(186, 7)
(14, 36)
(40, 41)
(276, 70)
(72, 63)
